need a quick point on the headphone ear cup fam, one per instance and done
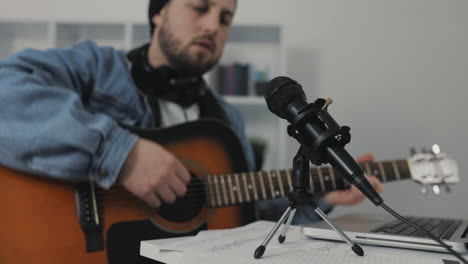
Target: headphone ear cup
(148, 79)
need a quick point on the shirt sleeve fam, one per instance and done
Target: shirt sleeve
(46, 126)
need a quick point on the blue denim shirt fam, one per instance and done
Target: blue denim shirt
(60, 109)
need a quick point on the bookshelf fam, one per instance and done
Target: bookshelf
(258, 46)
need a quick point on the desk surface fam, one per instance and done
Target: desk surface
(237, 246)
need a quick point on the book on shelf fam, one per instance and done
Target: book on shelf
(232, 79)
(238, 79)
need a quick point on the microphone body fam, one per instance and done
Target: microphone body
(314, 128)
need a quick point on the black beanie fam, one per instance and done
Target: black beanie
(154, 7)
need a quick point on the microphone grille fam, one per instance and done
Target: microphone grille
(280, 92)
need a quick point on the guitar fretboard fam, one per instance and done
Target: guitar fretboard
(237, 188)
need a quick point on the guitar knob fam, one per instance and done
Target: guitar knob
(436, 189)
(423, 190)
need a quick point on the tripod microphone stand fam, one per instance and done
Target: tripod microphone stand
(300, 196)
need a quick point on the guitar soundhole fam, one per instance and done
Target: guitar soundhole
(187, 207)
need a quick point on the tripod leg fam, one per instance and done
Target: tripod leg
(355, 247)
(261, 249)
(282, 237)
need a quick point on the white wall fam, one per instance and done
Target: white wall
(398, 73)
(396, 69)
(70, 10)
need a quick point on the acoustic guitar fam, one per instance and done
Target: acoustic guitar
(44, 221)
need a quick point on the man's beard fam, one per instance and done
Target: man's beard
(180, 58)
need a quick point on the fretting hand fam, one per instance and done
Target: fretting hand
(353, 196)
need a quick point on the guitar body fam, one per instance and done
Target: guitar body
(47, 221)
(39, 219)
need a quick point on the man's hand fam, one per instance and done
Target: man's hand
(353, 196)
(153, 174)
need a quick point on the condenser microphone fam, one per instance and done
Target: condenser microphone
(313, 127)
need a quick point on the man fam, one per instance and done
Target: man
(61, 110)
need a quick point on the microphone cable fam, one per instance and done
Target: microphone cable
(427, 233)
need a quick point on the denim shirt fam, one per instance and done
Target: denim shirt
(60, 111)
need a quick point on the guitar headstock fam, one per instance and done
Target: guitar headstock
(434, 170)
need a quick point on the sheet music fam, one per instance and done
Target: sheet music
(238, 245)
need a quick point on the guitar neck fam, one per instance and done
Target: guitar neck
(237, 188)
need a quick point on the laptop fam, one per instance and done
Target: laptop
(388, 231)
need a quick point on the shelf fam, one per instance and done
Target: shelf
(15, 36)
(140, 35)
(255, 34)
(69, 34)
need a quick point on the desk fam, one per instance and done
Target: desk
(237, 246)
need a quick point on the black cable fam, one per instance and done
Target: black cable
(427, 233)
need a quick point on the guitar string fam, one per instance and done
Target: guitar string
(284, 175)
(198, 197)
(184, 202)
(199, 185)
(194, 197)
(200, 192)
(190, 199)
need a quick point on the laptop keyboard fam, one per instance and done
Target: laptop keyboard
(441, 228)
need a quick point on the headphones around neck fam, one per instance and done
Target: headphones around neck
(164, 82)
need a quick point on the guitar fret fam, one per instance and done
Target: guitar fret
(404, 169)
(332, 175)
(280, 182)
(284, 180)
(397, 171)
(328, 181)
(247, 194)
(311, 181)
(233, 198)
(368, 169)
(239, 193)
(384, 176)
(224, 190)
(212, 190)
(322, 184)
(288, 177)
(389, 171)
(341, 183)
(262, 185)
(270, 180)
(218, 195)
(374, 168)
(254, 185)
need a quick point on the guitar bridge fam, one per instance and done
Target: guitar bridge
(89, 216)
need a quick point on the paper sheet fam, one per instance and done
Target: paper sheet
(238, 245)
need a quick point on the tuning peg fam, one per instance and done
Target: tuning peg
(413, 151)
(436, 189)
(435, 149)
(423, 190)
